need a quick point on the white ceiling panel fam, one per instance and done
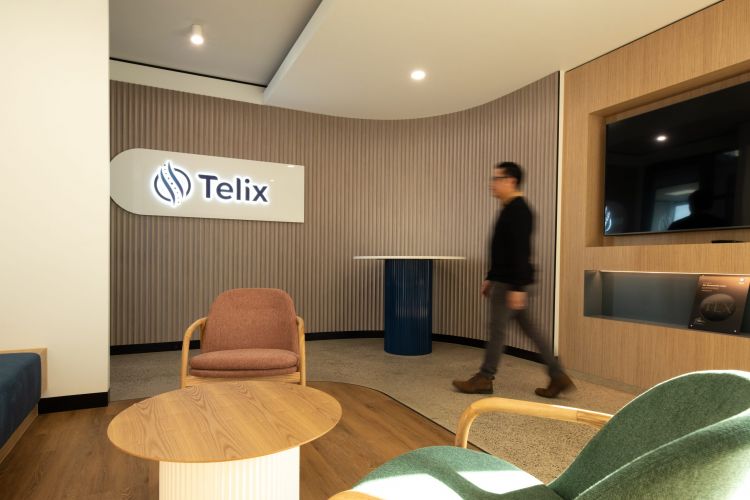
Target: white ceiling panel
(246, 40)
(353, 57)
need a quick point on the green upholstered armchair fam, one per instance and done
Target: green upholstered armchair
(688, 437)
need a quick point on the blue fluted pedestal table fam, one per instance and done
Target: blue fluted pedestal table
(407, 305)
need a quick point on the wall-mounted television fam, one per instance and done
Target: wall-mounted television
(682, 167)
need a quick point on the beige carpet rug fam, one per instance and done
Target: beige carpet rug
(541, 447)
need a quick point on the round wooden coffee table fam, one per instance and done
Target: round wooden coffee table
(226, 440)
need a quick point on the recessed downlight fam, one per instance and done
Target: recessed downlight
(661, 138)
(418, 74)
(196, 35)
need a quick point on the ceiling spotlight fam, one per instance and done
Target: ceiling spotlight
(418, 74)
(196, 35)
(661, 138)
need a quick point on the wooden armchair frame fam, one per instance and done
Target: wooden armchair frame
(529, 408)
(299, 377)
(504, 405)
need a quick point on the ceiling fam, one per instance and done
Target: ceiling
(353, 57)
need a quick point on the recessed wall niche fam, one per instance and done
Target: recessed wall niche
(664, 299)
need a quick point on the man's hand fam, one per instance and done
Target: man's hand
(486, 286)
(516, 300)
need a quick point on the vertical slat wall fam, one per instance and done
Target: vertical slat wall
(406, 187)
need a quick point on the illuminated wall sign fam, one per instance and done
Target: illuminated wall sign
(151, 182)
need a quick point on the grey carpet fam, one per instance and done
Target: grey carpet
(543, 448)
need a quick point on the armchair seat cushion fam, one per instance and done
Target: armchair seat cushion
(238, 374)
(449, 472)
(258, 361)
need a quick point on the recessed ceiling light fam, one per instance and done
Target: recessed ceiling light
(418, 74)
(661, 138)
(196, 35)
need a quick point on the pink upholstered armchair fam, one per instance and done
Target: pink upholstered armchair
(249, 333)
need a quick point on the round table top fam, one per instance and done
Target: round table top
(223, 421)
(407, 257)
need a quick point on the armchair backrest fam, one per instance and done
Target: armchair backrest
(248, 318)
(686, 433)
(710, 463)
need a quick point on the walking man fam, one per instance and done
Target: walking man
(504, 287)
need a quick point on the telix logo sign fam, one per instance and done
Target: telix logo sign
(172, 186)
(175, 184)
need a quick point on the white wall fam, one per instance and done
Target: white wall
(54, 188)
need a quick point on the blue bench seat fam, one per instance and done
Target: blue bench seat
(20, 390)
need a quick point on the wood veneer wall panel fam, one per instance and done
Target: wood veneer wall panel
(371, 188)
(709, 46)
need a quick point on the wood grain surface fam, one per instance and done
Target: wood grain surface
(67, 455)
(18, 433)
(224, 421)
(703, 52)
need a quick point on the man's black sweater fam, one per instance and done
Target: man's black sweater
(511, 246)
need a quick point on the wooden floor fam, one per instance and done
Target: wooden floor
(67, 455)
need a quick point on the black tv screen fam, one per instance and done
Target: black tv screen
(682, 167)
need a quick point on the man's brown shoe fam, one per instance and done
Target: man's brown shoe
(557, 384)
(478, 384)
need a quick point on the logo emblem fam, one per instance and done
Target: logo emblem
(718, 307)
(172, 184)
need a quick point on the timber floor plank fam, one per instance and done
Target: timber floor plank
(67, 455)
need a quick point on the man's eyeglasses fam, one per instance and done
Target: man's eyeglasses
(498, 177)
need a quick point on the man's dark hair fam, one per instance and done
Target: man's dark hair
(512, 169)
(699, 201)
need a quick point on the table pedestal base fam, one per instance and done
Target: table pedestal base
(408, 307)
(272, 477)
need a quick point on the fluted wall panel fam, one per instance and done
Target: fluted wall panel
(269, 477)
(372, 187)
